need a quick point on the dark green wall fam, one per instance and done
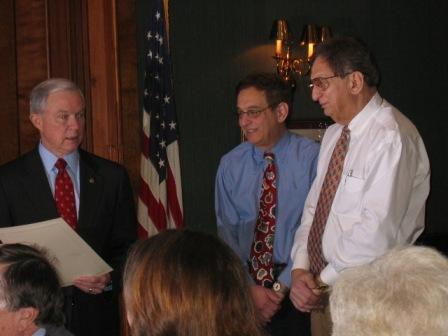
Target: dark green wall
(215, 42)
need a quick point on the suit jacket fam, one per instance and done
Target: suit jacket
(56, 331)
(106, 221)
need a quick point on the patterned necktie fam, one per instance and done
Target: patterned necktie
(64, 194)
(261, 262)
(327, 193)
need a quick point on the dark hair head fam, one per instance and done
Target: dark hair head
(181, 283)
(29, 279)
(276, 89)
(345, 55)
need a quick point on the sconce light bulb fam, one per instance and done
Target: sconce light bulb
(278, 48)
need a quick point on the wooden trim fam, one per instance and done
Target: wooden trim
(105, 89)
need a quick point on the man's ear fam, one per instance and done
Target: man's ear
(282, 111)
(36, 120)
(355, 82)
(26, 317)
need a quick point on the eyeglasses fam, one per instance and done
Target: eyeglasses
(252, 113)
(321, 83)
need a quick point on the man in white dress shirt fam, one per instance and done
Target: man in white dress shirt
(380, 198)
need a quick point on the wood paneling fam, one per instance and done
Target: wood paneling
(32, 62)
(8, 83)
(104, 88)
(127, 57)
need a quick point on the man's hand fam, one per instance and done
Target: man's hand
(92, 284)
(266, 301)
(304, 294)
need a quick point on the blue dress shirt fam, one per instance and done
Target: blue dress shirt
(40, 332)
(238, 191)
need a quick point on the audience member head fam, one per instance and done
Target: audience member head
(183, 283)
(57, 111)
(404, 292)
(30, 294)
(344, 77)
(263, 104)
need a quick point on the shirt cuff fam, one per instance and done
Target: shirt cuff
(329, 275)
(301, 261)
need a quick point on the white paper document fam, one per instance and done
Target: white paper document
(74, 257)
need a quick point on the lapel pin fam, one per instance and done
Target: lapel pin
(91, 180)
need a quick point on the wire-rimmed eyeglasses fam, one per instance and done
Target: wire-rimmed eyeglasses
(252, 113)
(321, 83)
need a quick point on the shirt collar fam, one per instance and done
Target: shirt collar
(361, 120)
(49, 159)
(278, 150)
(40, 332)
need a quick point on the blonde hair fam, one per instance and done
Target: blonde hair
(404, 292)
(187, 283)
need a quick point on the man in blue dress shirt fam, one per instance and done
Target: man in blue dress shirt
(263, 103)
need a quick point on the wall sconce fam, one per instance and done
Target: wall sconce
(300, 65)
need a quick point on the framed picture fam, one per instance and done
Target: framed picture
(313, 129)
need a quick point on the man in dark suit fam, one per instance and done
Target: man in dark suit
(99, 194)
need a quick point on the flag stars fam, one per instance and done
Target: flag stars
(160, 40)
(146, 93)
(161, 163)
(162, 143)
(157, 36)
(157, 15)
(172, 125)
(166, 99)
(162, 125)
(160, 60)
(150, 55)
(149, 35)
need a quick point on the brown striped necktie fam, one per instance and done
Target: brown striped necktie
(326, 196)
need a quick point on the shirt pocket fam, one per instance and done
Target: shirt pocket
(349, 196)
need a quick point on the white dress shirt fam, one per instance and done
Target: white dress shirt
(380, 201)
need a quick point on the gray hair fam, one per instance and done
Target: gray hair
(404, 292)
(40, 93)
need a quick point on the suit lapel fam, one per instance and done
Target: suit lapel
(36, 184)
(91, 185)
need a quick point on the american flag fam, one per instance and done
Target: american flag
(160, 198)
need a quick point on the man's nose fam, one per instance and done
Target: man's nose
(74, 122)
(315, 93)
(243, 119)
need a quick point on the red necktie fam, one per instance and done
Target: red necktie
(64, 194)
(326, 196)
(261, 262)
